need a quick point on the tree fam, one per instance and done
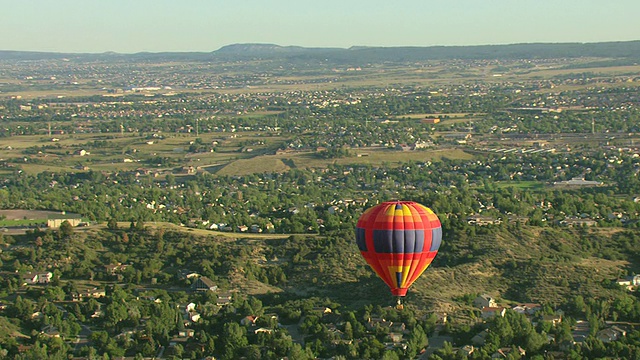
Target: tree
(297, 352)
(66, 229)
(233, 339)
(139, 225)
(112, 224)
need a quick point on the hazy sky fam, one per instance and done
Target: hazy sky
(204, 25)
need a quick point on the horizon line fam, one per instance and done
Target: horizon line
(354, 47)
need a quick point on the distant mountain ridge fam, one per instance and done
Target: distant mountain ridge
(362, 54)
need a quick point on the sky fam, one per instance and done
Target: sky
(130, 26)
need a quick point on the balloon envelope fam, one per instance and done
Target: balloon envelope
(399, 240)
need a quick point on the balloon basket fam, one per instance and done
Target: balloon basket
(399, 304)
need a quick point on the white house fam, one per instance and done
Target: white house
(485, 300)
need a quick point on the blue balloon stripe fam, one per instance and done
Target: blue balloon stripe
(436, 239)
(361, 240)
(397, 241)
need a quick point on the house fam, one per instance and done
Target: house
(194, 316)
(24, 348)
(187, 333)
(224, 299)
(204, 284)
(503, 353)
(527, 308)
(50, 331)
(611, 334)
(555, 319)
(29, 278)
(422, 145)
(482, 220)
(484, 301)
(269, 227)
(89, 293)
(321, 310)
(187, 274)
(263, 331)
(395, 337)
(403, 147)
(489, 312)
(466, 350)
(190, 307)
(630, 282)
(178, 340)
(55, 220)
(333, 210)
(378, 322)
(576, 182)
(479, 338)
(190, 170)
(575, 221)
(44, 277)
(249, 320)
(113, 269)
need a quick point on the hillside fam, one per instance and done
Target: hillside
(521, 265)
(516, 264)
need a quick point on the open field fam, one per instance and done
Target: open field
(20, 214)
(259, 164)
(232, 155)
(374, 157)
(19, 218)
(439, 115)
(523, 185)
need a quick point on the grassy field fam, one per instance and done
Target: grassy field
(259, 164)
(13, 223)
(375, 156)
(523, 185)
(240, 154)
(439, 115)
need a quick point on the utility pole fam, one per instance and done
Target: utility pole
(197, 128)
(593, 125)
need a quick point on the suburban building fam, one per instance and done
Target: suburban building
(489, 312)
(629, 282)
(204, 284)
(55, 220)
(485, 300)
(611, 334)
(31, 278)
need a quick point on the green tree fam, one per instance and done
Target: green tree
(66, 229)
(112, 224)
(233, 339)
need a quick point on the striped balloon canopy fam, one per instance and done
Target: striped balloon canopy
(399, 240)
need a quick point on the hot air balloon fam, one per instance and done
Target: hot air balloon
(399, 240)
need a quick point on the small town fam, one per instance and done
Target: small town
(319, 181)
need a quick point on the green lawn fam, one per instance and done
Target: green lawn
(524, 185)
(23, 222)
